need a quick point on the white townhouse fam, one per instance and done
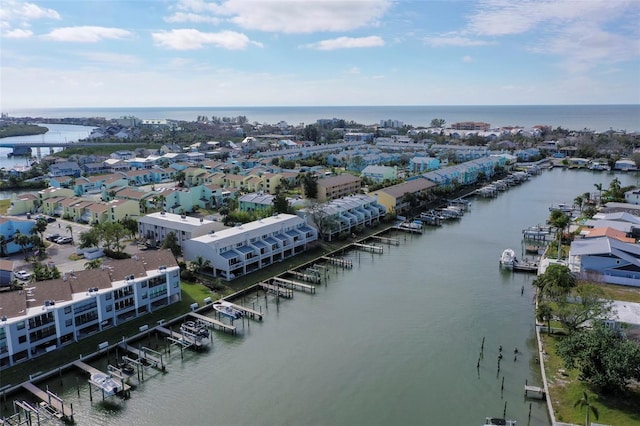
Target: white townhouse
(246, 248)
(50, 314)
(156, 226)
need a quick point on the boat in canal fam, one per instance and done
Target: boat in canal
(508, 258)
(192, 328)
(227, 309)
(497, 421)
(106, 383)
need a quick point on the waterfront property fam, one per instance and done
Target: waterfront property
(397, 198)
(337, 186)
(252, 246)
(346, 214)
(606, 259)
(9, 228)
(50, 314)
(156, 226)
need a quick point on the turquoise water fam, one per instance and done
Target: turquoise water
(393, 341)
(574, 117)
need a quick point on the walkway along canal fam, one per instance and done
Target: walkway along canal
(410, 336)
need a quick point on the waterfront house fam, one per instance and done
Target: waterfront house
(114, 165)
(55, 313)
(252, 246)
(96, 184)
(52, 206)
(122, 155)
(625, 165)
(613, 207)
(6, 276)
(606, 259)
(61, 181)
(156, 226)
(344, 215)
(632, 196)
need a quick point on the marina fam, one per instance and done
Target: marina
(436, 345)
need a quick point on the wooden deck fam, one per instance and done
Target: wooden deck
(91, 370)
(295, 284)
(247, 311)
(52, 400)
(345, 263)
(144, 355)
(214, 322)
(278, 290)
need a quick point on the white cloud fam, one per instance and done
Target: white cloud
(467, 59)
(18, 33)
(454, 40)
(19, 11)
(347, 43)
(87, 34)
(293, 16)
(191, 39)
(180, 17)
(353, 70)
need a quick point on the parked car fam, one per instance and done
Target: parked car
(64, 240)
(52, 237)
(22, 275)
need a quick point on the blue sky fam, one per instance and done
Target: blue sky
(92, 53)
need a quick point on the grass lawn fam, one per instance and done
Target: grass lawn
(4, 206)
(565, 389)
(620, 292)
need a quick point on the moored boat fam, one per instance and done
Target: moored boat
(508, 258)
(227, 309)
(496, 421)
(106, 383)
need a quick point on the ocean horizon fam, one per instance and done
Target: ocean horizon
(599, 118)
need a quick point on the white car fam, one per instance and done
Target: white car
(22, 275)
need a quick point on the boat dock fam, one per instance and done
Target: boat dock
(407, 228)
(369, 248)
(91, 370)
(247, 311)
(526, 266)
(183, 339)
(535, 392)
(213, 323)
(145, 355)
(277, 290)
(295, 285)
(338, 261)
(386, 240)
(54, 404)
(311, 278)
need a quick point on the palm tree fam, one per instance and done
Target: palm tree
(578, 202)
(584, 403)
(556, 282)
(545, 313)
(560, 220)
(199, 264)
(69, 229)
(93, 264)
(23, 241)
(599, 188)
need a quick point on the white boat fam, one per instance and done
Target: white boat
(191, 328)
(496, 421)
(565, 208)
(227, 309)
(106, 383)
(508, 258)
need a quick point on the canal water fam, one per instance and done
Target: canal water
(394, 341)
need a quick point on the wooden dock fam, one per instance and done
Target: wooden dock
(277, 290)
(295, 285)
(311, 278)
(144, 355)
(531, 267)
(338, 261)
(213, 323)
(91, 370)
(184, 339)
(369, 248)
(248, 312)
(533, 392)
(53, 401)
(386, 240)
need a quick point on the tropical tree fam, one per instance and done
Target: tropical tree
(556, 282)
(69, 229)
(171, 242)
(199, 264)
(280, 202)
(438, 122)
(93, 264)
(560, 220)
(586, 305)
(599, 189)
(90, 238)
(578, 201)
(23, 241)
(40, 227)
(604, 358)
(180, 177)
(130, 225)
(544, 312)
(584, 403)
(310, 185)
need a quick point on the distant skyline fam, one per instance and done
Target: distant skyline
(176, 53)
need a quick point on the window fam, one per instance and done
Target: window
(22, 339)
(20, 325)
(68, 323)
(67, 310)
(109, 308)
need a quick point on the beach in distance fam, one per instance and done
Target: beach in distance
(598, 118)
